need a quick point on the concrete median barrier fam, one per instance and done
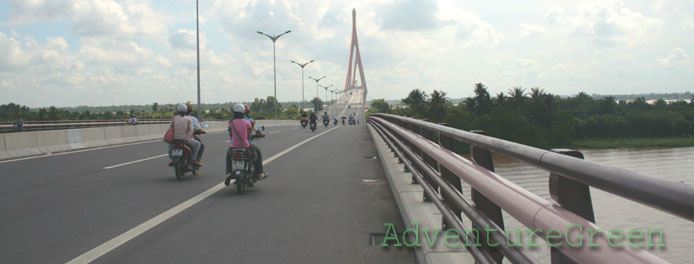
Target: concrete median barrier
(3, 150)
(21, 144)
(92, 137)
(129, 131)
(143, 132)
(52, 141)
(17, 145)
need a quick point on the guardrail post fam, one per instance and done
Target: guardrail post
(483, 158)
(451, 178)
(571, 195)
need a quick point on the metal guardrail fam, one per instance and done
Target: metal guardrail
(6, 127)
(439, 170)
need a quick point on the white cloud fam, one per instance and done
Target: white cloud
(468, 27)
(149, 51)
(26, 12)
(409, 15)
(676, 58)
(93, 17)
(11, 56)
(687, 24)
(607, 23)
(530, 30)
(526, 63)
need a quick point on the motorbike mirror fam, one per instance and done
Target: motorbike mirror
(206, 125)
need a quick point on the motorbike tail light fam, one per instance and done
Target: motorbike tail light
(238, 157)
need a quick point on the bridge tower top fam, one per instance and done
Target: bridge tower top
(355, 62)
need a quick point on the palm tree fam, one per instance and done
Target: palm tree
(517, 98)
(483, 102)
(438, 106)
(501, 98)
(417, 102)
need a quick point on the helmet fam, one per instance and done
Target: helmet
(248, 109)
(181, 108)
(190, 107)
(238, 108)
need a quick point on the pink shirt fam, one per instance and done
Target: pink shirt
(241, 126)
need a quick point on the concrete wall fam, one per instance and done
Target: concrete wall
(17, 145)
(3, 150)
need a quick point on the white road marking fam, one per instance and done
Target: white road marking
(273, 132)
(115, 242)
(77, 151)
(134, 161)
(89, 149)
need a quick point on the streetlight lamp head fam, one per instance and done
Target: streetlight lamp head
(260, 32)
(311, 61)
(287, 31)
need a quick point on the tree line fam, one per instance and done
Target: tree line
(538, 118)
(260, 109)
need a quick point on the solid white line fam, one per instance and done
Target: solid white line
(273, 132)
(78, 151)
(115, 242)
(134, 161)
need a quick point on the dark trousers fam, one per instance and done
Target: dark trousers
(258, 161)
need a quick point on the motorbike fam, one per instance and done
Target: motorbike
(304, 122)
(182, 156)
(343, 121)
(335, 122)
(313, 127)
(352, 122)
(326, 122)
(243, 167)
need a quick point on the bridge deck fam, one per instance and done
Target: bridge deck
(314, 208)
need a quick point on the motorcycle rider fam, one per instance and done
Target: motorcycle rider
(335, 118)
(325, 118)
(183, 130)
(351, 119)
(304, 117)
(259, 156)
(240, 131)
(197, 129)
(312, 119)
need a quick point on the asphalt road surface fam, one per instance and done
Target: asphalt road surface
(314, 207)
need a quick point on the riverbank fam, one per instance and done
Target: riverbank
(611, 143)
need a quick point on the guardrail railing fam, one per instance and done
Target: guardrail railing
(6, 127)
(426, 149)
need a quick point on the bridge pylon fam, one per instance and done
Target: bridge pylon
(354, 64)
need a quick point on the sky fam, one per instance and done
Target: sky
(104, 52)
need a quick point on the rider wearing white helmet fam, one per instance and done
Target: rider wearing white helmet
(240, 130)
(183, 130)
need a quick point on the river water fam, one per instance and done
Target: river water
(611, 211)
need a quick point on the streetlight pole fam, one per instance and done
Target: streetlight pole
(302, 65)
(326, 91)
(197, 40)
(274, 65)
(317, 80)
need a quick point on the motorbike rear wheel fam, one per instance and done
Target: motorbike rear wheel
(240, 185)
(180, 171)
